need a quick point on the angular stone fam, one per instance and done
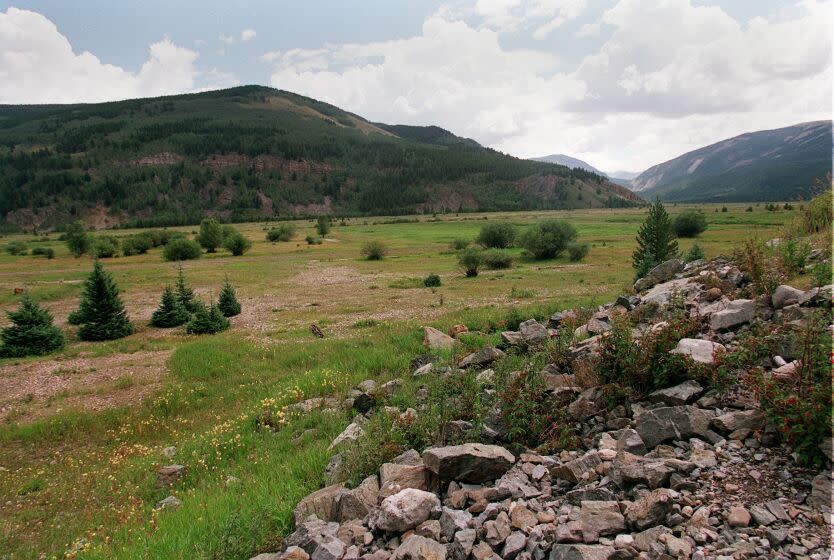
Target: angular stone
(454, 520)
(512, 338)
(514, 544)
(628, 469)
(785, 295)
(482, 357)
(737, 313)
(321, 503)
(171, 502)
(405, 510)
(580, 495)
(631, 442)
(701, 351)
(661, 273)
(419, 548)
(679, 394)
(761, 515)
(650, 509)
(600, 519)
(533, 332)
(350, 434)
(169, 474)
(559, 317)
(740, 419)
(462, 544)
(581, 552)
(356, 503)
(496, 531)
(573, 470)
(645, 540)
(678, 548)
(671, 423)
(436, 340)
(738, 516)
(394, 477)
(471, 462)
(522, 518)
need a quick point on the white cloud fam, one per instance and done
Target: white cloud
(38, 65)
(227, 39)
(247, 35)
(542, 16)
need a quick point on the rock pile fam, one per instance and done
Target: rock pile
(687, 473)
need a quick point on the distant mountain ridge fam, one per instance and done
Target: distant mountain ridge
(568, 161)
(767, 165)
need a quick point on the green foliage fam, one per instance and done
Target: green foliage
(497, 259)
(101, 314)
(817, 216)
(695, 253)
(16, 248)
(181, 249)
(170, 312)
(374, 250)
(756, 261)
(207, 320)
(655, 240)
(137, 244)
(237, 243)
(459, 244)
(227, 301)
(578, 251)
(432, 281)
(284, 232)
(77, 239)
(312, 240)
(31, 332)
(471, 260)
(211, 235)
(821, 273)
(794, 255)
(548, 239)
(105, 247)
(184, 293)
(47, 252)
(323, 225)
(690, 223)
(646, 364)
(497, 235)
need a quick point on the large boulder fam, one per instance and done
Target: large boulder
(737, 313)
(321, 503)
(662, 293)
(650, 509)
(661, 273)
(672, 423)
(471, 462)
(416, 547)
(785, 295)
(700, 351)
(482, 357)
(357, 503)
(405, 510)
(740, 419)
(679, 394)
(394, 477)
(533, 332)
(600, 519)
(436, 340)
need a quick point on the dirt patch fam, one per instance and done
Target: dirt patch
(39, 388)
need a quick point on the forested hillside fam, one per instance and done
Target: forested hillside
(254, 152)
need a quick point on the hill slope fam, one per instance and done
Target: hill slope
(768, 165)
(253, 152)
(568, 161)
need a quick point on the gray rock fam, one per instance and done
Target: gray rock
(740, 419)
(171, 502)
(496, 531)
(786, 295)
(462, 544)
(419, 548)
(169, 452)
(321, 503)
(672, 423)
(482, 357)
(661, 273)
(662, 294)
(650, 509)
(560, 316)
(436, 340)
(514, 544)
(600, 519)
(701, 351)
(454, 520)
(357, 503)
(533, 332)
(631, 442)
(471, 462)
(628, 470)
(350, 434)
(646, 540)
(679, 394)
(405, 510)
(579, 495)
(737, 313)
(574, 470)
(394, 477)
(581, 552)
(512, 338)
(169, 474)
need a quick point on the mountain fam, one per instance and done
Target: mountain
(251, 153)
(568, 161)
(623, 175)
(769, 165)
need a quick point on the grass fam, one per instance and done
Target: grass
(72, 460)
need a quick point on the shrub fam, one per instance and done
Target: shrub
(690, 223)
(237, 244)
(227, 302)
(655, 241)
(312, 240)
(374, 250)
(748, 209)
(496, 259)
(323, 225)
(645, 266)
(77, 239)
(211, 235)
(432, 281)
(578, 251)
(723, 208)
(170, 312)
(284, 232)
(755, 262)
(646, 364)
(548, 239)
(821, 273)
(137, 245)
(47, 252)
(794, 255)
(695, 253)
(207, 320)
(818, 215)
(16, 248)
(459, 244)
(105, 247)
(497, 235)
(181, 249)
(31, 332)
(101, 314)
(470, 260)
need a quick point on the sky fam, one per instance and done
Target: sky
(622, 84)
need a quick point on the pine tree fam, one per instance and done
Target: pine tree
(185, 295)
(102, 315)
(207, 320)
(170, 312)
(656, 240)
(31, 332)
(227, 302)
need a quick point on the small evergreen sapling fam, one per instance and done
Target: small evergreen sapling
(170, 312)
(227, 302)
(31, 332)
(207, 320)
(102, 315)
(656, 240)
(185, 295)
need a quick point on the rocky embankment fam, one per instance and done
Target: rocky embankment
(686, 473)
